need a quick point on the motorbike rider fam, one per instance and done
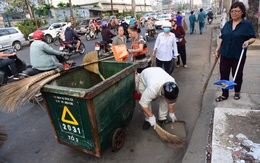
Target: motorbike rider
(96, 26)
(106, 34)
(210, 15)
(72, 36)
(8, 64)
(92, 28)
(150, 26)
(41, 54)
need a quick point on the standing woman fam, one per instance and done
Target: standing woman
(164, 46)
(236, 34)
(180, 34)
(138, 48)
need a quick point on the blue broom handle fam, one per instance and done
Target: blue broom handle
(240, 58)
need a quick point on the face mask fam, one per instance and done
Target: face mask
(166, 30)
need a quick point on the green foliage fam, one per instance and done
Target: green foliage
(138, 16)
(62, 5)
(28, 26)
(107, 14)
(95, 5)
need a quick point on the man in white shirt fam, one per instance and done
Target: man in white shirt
(154, 82)
(164, 47)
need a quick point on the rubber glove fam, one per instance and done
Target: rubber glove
(152, 121)
(173, 117)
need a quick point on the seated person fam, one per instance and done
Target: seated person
(7, 64)
(106, 34)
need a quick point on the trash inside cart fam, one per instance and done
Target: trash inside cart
(87, 113)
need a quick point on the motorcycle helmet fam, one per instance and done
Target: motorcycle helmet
(173, 19)
(104, 24)
(38, 34)
(170, 91)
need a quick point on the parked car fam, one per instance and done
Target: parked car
(161, 19)
(11, 37)
(82, 27)
(49, 31)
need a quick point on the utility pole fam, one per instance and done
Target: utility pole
(112, 9)
(71, 14)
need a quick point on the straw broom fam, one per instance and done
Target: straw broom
(18, 99)
(3, 135)
(170, 139)
(91, 57)
(209, 75)
(13, 91)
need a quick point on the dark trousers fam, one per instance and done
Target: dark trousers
(166, 64)
(182, 52)
(9, 63)
(230, 64)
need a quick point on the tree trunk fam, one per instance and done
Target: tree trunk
(112, 9)
(133, 9)
(252, 14)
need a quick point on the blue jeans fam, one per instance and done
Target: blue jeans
(10, 64)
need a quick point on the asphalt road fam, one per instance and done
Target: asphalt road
(31, 138)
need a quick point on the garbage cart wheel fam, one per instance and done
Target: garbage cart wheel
(118, 139)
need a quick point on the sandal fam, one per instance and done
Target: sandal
(177, 66)
(185, 66)
(237, 96)
(220, 98)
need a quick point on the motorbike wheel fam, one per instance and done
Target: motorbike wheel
(87, 37)
(56, 41)
(82, 49)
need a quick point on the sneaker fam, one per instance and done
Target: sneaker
(16, 77)
(146, 125)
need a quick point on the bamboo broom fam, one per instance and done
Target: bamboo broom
(3, 135)
(170, 139)
(19, 99)
(13, 91)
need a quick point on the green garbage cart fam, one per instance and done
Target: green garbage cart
(87, 113)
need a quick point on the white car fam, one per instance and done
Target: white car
(161, 19)
(11, 37)
(49, 31)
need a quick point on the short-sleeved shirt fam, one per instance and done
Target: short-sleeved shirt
(179, 19)
(232, 40)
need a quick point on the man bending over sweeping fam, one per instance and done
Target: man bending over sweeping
(155, 82)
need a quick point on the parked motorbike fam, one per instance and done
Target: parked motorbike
(5, 73)
(90, 34)
(70, 48)
(103, 49)
(57, 40)
(150, 34)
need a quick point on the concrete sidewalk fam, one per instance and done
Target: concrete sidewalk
(200, 147)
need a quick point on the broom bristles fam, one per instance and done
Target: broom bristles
(170, 139)
(3, 136)
(15, 91)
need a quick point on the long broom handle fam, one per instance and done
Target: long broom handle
(240, 58)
